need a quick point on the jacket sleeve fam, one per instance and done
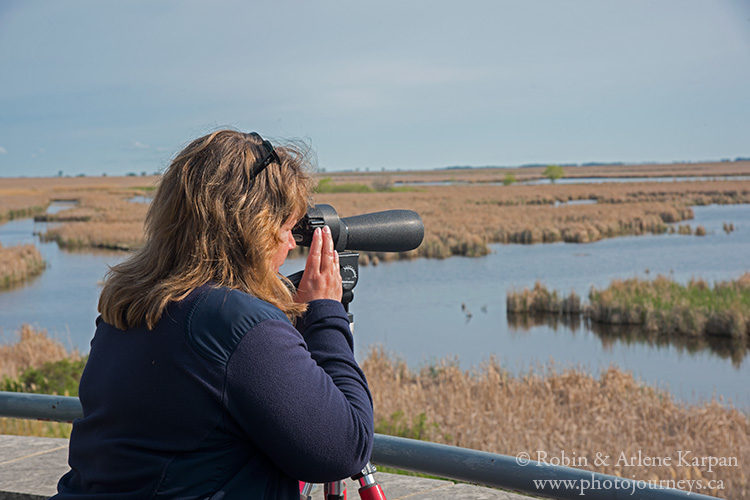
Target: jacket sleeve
(301, 397)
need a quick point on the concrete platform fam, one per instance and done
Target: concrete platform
(31, 466)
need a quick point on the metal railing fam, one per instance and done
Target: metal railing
(489, 469)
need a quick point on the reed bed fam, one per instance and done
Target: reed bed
(677, 170)
(539, 300)
(27, 197)
(18, 264)
(32, 349)
(665, 306)
(560, 411)
(498, 174)
(459, 220)
(18, 203)
(102, 219)
(115, 235)
(660, 306)
(463, 220)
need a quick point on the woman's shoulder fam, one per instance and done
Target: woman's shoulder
(221, 317)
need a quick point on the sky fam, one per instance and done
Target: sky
(90, 87)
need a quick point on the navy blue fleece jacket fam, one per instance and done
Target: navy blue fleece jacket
(223, 399)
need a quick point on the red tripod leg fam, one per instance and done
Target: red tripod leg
(369, 487)
(305, 490)
(372, 492)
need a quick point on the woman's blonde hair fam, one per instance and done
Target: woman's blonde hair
(212, 220)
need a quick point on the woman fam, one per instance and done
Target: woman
(198, 385)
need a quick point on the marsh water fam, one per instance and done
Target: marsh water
(427, 310)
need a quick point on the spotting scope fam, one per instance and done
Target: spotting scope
(388, 231)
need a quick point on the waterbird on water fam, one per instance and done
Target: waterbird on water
(466, 311)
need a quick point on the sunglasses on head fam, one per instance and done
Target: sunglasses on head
(269, 156)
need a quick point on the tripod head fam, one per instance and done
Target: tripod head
(388, 231)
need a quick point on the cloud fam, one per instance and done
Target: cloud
(140, 145)
(3, 151)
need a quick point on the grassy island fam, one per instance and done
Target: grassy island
(660, 305)
(666, 306)
(18, 264)
(539, 300)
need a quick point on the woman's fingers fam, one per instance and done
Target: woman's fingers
(321, 279)
(326, 260)
(313, 258)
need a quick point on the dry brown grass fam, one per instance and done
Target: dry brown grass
(32, 349)
(459, 220)
(61, 184)
(18, 203)
(488, 409)
(462, 220)
(102, 219)
(113, 235)
(22, 427)
(539, 300)
(554, 411)
(705, 169)
(27, 196)
(18, 264)
(486, 175)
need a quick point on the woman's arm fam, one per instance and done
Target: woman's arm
(301, 397)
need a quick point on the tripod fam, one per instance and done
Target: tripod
(369, 488)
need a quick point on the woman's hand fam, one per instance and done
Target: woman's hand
(322, 278)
